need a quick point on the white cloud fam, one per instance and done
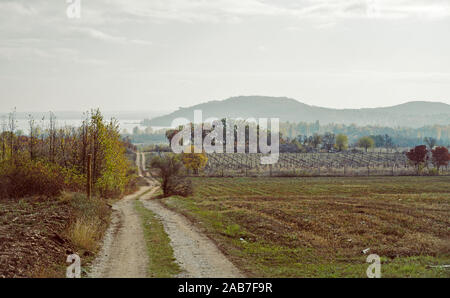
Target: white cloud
(100, 35)
(201, 10)
(16, 8)
(107, 50)
(232, 10)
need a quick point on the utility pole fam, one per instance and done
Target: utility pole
(89, 177)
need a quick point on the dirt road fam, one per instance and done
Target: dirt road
(139, 156)
(124, 252)
(142, 161)
(196, 254)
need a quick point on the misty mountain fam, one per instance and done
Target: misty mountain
(410, 114)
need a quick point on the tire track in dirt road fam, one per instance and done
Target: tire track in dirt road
(139, 162)
(142, 161)
(196, 254)
(124, 250)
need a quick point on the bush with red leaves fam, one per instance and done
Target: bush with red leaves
(440, 157)
(418, 155)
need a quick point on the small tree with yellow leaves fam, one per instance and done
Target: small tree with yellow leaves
(194, 161)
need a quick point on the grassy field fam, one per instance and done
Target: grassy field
(318, 227)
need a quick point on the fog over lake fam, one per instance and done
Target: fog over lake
(126, 125)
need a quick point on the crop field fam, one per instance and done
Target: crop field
(318, 226)
(311, 164)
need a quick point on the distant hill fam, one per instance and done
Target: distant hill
(410, 114)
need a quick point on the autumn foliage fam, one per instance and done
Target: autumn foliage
(48, 161)
(418, 155)
(172, 183)
(440, 157)
(194, 161)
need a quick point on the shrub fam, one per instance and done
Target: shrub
(194, 161)
(366, 143)
(433, 172)
(418, 157)
(168, 168)
(180, 186)
(172, 183)
(22, 178)
(84, 233)
(84, 207)
(73, 181)
(440, 157)
(90, 220)
(233, 230)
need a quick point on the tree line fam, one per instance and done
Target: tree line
(420, 155)
(51, 159)
(400, 136)
(329, 142)
(325, 142)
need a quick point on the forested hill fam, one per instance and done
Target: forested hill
(410, 114)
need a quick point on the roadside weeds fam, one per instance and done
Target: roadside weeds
(160, 253)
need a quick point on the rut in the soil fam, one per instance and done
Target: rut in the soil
(124, 252)
(196, 254)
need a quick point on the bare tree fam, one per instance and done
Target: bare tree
(12, 128)
(52, 136)
(84, 142)
(388, 143)
(316, 139)
(31, 141)
(3, 138)
(431, 142)
(328, 140)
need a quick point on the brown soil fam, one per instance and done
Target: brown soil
(31, 238)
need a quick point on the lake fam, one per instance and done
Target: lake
(126, 124)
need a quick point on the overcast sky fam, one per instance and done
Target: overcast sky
(163, 54)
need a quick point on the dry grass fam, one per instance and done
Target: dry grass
(46, 272)
(90, 221)
(85, 233)
(37, 234)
